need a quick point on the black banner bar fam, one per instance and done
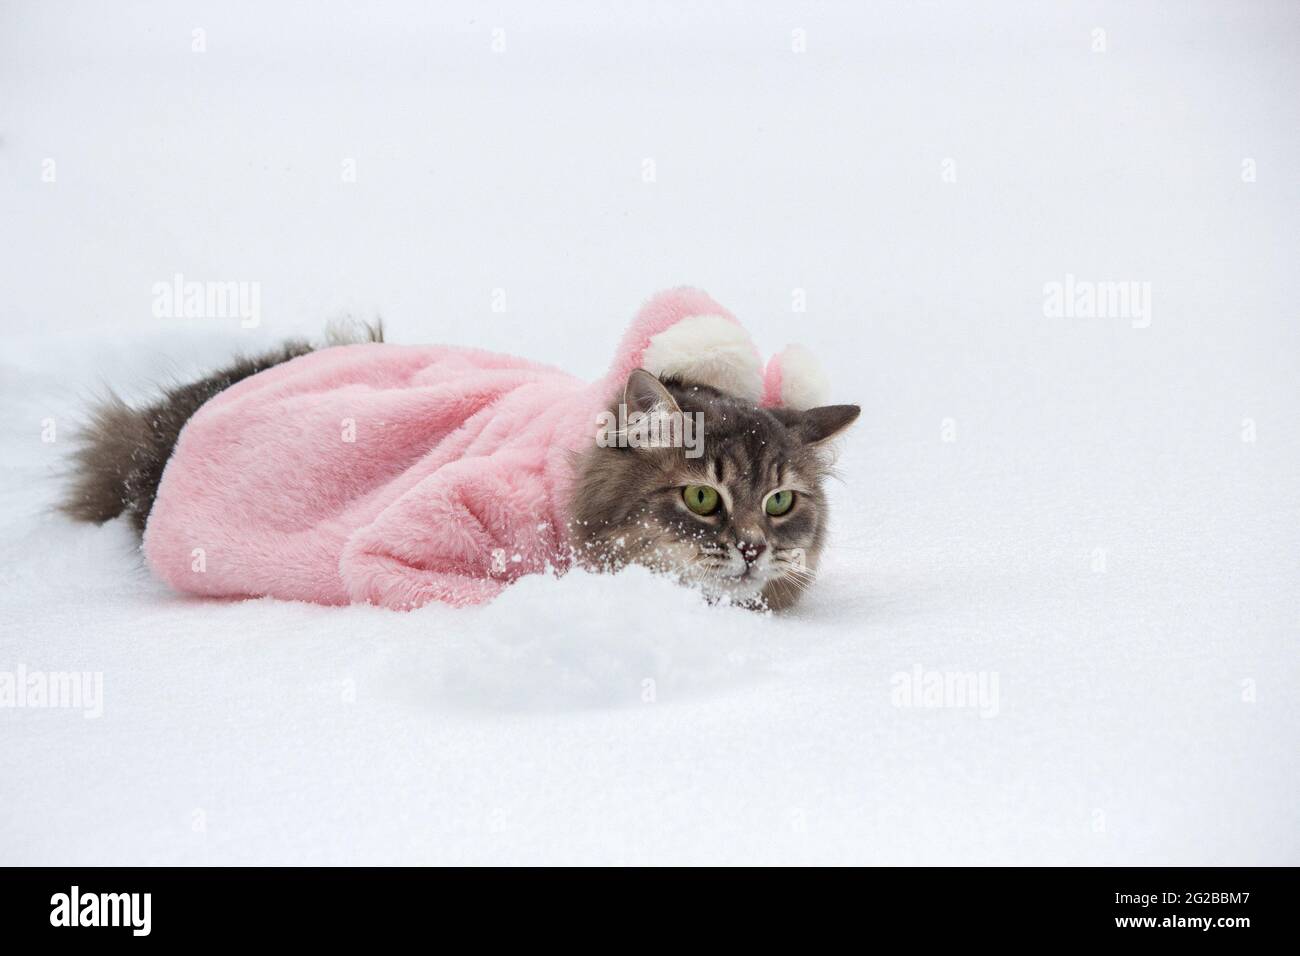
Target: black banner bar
(1173, 906)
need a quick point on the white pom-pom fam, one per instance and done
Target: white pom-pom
(803, 383)
(707, 350)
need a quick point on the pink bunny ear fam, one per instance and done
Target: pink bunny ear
(794, 379)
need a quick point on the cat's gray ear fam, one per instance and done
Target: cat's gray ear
(817, 425)
(645, 393)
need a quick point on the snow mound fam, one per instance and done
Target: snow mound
(588, 640)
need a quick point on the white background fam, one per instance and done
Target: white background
(1099, 535)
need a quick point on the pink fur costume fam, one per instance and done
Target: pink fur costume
(399, 475)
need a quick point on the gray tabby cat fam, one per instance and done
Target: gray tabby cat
(746, 521)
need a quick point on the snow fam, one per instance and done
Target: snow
(1098, 514)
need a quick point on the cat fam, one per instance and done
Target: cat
(745, 521)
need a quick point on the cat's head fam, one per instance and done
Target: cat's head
(737, 509)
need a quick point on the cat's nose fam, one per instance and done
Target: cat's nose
(751, 550)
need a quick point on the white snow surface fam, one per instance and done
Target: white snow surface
(1102, 516)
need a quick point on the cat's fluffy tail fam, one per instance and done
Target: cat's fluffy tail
(122, 450)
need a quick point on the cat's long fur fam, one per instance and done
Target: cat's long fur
(122, 451)
(628, 504)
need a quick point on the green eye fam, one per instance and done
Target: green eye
(779, 502)
(701, 499)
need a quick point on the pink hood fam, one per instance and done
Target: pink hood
(398, 475)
